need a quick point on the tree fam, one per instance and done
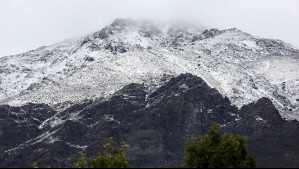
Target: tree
(214, 150)
(81, 161)
(33, 165)
(111, 157)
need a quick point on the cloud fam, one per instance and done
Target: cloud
(26, 25)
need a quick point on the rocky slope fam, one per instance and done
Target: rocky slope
(240, 66)
(155, 123)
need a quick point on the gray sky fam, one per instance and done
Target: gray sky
(28, 24)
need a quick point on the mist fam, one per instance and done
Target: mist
(26, 25)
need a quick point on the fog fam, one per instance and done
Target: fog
(26, 25)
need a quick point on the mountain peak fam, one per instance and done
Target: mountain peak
(128, 51)
(123, 22)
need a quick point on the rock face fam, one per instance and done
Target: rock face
(272, 141)
(154, 123)
(19, 124)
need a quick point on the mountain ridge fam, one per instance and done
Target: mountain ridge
(155, 125)
(125, 51)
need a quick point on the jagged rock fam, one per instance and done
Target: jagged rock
(104, 33)
(20, 124)
(155, 125)
(207, 34)
(122, 23)
(264, 109)
(275, 47)
(89, 59)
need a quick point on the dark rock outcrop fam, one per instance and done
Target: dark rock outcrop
(273, 141)
(155, 125)
(20, 124)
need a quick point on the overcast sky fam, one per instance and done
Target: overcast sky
(28, 24)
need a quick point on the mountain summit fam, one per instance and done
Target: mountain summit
(240, 66)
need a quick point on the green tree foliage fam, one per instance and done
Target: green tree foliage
(217, 151)
(112, 156)
(33, 165)
(81, 161)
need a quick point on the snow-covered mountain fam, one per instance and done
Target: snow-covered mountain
(241, 66)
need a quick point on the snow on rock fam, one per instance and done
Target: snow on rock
(184, 86)
(241, 66)
(260, 120)
(109, 118)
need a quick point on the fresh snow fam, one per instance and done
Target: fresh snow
(260, 120)
(241, 66)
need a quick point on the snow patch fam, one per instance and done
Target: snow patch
(184, 86)
(109, 117)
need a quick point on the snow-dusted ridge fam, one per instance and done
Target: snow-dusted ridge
(241, 66)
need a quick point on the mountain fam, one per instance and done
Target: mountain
(154, 124)
(152, 86)
(240, 66)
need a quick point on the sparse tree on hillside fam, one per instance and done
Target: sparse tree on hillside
(214, 150)
(112, 156)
